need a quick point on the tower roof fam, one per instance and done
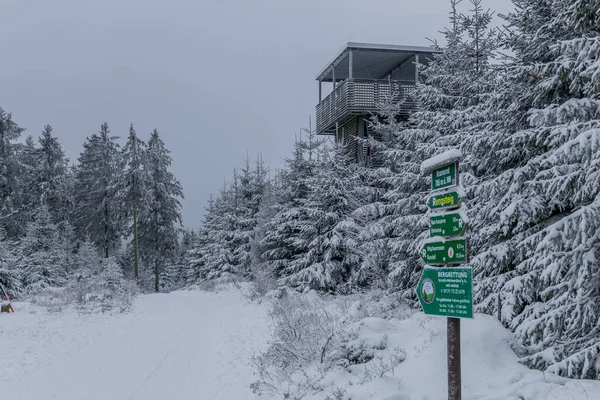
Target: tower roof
(370, 61)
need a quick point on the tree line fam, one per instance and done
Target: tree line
(118, 208)
(521, 103)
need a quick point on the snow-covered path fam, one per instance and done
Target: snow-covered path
(182, 345)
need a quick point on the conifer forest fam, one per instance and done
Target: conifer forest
(521, 101)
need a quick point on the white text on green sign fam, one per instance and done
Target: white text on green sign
(444, 177)
(445, 251)
(446, 291)
(451, 224)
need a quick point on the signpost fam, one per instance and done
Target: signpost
(444, 176)
(451, 224)
(447, 290)
(445, 251)
(445, 201)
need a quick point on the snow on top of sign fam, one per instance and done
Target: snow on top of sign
(441, 159)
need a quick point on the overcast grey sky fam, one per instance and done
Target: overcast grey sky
(216, 78)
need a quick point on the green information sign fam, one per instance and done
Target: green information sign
(446, 291)
(452, 224)
(444, 177)
(443, 201)
(451, 251)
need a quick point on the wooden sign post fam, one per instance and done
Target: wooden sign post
(447, 290)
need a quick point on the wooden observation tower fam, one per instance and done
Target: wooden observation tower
(362, 77)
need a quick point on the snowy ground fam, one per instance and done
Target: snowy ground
(197, 345)
(182, 345)
(490, 369)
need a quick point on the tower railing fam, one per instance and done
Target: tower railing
(359, 96)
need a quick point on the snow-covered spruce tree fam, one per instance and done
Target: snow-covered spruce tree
(29, 195)
(170, 278)
(460, 77)
(542, 210)
(283, 242)
(158, 231)
(9, 273)
(248, 194)
(41, 259)
(270, 205)
(111, 285)
(196, 261)
(10, 172)
(327, 227)
(87, 264)
(392, 212)
(54, 181)
(134, 181)
(393, 196)
(98, 208)
(186, 273)
(225, 236)
(212, 258)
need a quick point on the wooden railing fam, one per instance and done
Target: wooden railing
(356, 96)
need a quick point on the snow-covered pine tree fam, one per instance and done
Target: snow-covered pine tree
(29, 192)
(242, 221)
(249, 194)
(87, 263)
(186, 273)
(270, 205)
(459, 78)
(111, 285)
(219, 229)
(542, 210)
(54, 179)
(393, 204)
(10, 171)
(135, 180)
(98, 208)
(196, 270)
(9, 273)
(282, 242)
(332, 252)
(42, 260)
(170, 278)
(158, 231)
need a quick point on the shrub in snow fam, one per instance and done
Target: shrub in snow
(101, 285)
(313, 337)
(53, 298)
(305, 334)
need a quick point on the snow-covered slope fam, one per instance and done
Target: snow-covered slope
(490, 369)
(182, 345)
(197, 345)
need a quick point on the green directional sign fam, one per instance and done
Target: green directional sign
(444, 177)
(452, 224)
(446, 291)
(442, 251)
(445, 200)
